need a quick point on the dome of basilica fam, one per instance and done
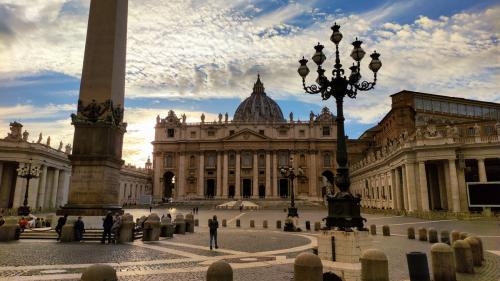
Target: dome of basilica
(258, 107)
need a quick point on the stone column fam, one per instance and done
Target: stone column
(397, 189)
(98, 140)
(181, 178)
(237, 181)
(410, 184)
(269, 190)
(42, 184)
(482, 170)
(201, 175)
(395, 193)
(424, 194)
(255, 179)
(158, 161)
(19, 192)
(405, 188)
(225, 175)
(218, 193)
(33, 191)
(54, 187)
(454, 186)
(275, 174)
(60, 187)
(313, 179)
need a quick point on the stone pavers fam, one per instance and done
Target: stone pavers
(255, 254)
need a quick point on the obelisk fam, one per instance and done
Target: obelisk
(99, 127)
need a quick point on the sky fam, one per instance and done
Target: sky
(195, 57)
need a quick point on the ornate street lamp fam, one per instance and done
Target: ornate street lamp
(28, 172)
(343, 208)
(289, 173)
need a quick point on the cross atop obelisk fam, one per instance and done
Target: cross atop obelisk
(99, 127)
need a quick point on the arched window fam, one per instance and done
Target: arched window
(211, 160)
(327, 160)
(192, 161)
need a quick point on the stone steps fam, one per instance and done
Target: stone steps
(89, 235)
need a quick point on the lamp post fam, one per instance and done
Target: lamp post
(28, 172)
(289, 173)
(343, 208)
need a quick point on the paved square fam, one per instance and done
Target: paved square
(254, 253)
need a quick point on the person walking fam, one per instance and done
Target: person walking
(213, 224)
(79, 229)
(60, 223)
(115, 229)
(107, 224)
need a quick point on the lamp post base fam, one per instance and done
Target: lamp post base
(23, 210)
(344, 212)
(292, 216)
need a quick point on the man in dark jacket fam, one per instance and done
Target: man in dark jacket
(213, 224)
(60, 223)
(107, 225)
(79, 229)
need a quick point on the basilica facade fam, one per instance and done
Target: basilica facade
(421, 156)
(242, 158)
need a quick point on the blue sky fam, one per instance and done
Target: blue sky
(206, 58)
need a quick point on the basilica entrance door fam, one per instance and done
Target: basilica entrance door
(247, 188)
(210, 191)
(283, 188)
(262, 191)
(168, 181)
(231, 191)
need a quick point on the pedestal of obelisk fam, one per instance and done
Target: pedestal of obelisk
(99, 127)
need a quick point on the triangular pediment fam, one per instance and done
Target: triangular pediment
(246, 135)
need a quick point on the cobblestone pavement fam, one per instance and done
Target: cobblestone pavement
(255, 254)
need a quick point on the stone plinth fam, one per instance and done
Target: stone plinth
(348, 245)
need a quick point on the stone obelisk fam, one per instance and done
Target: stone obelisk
(99, 127)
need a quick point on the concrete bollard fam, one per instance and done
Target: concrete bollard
(220, 271)
(411, 233)
(308, 267)
(476, 251)
(68, 231)
(455, 235)
(480, 246)
(445, 237)
(151, 231)
(180, 224)
(315, 250)
(126, 229)
(264, 224)
(422, 234)
(99, 272)
(252, 223)
(386, 231)
(278, 224)
(196, 222)
(374, 266)
(443, 263)
(317, 226)
(433, 235)
(308, 225)
(9, 230)
(224, 223)
(189, 220)
(463, 257)
(238, 223)
(463, 235)
(373, 229)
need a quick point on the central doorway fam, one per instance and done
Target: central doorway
(210, 191)
(262, 191)
(247, 188)
(283, 188)
(231, 191)
(168, 180)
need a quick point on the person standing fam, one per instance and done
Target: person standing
(107, 224)
(213, 224)
(115, 229)
(60, 223)
(79, 229)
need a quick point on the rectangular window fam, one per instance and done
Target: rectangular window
(211, 158)
(326, 130)
(419, 104)
(445, 107)
(427, 105)
(170, 133)
(246, 160)
(261, 132)
(232, 160)
(436, 106)
(462, 109)
(193, 135)
(283, 158)
(211, 133)
(453, 108)
(231, 172)
(262, 160)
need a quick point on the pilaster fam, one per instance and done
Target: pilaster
(424, 194)
(201, 175)
(237, 180)
(255, 178)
